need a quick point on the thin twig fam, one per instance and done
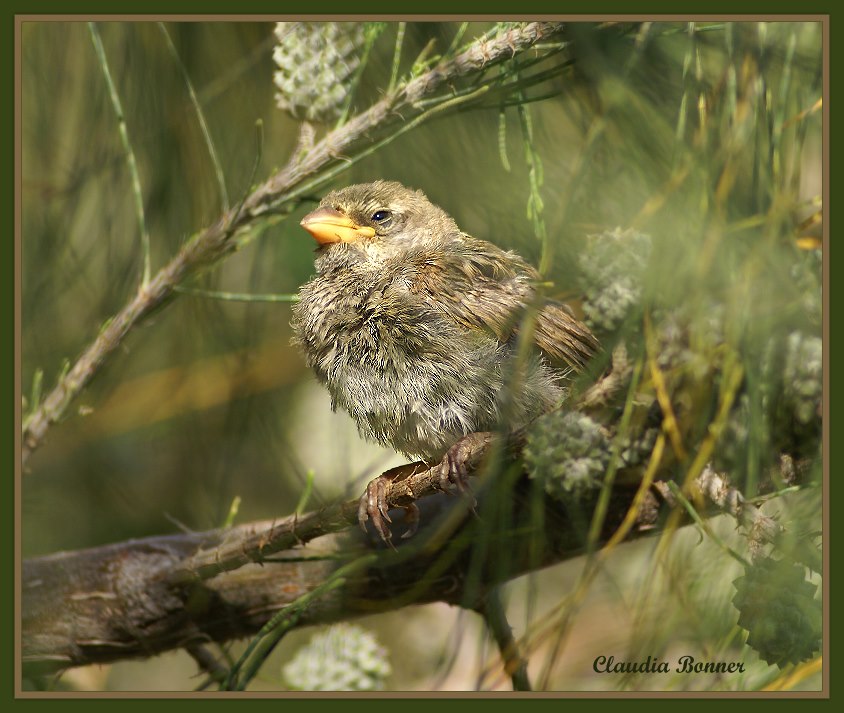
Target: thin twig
(693, 513)
(236, 296)
(200, 115)
(207, 662)
(535, 178)
(394, 72)
(669, 420)
(372, 32)
(495, 615)
(455, 41)
(131, 164)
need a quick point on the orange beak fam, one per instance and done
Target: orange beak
(331, 226)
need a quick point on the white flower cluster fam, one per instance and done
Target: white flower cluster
(345, 657)
(613, 265)
(803, 375)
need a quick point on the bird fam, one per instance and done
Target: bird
(413, 327)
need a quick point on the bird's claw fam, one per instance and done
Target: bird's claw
(411, 517)
(374, 506)
(453, 475)
(454, 471)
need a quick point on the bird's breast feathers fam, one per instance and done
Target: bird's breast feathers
(412, 377)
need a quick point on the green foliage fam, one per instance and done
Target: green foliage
(777, 607)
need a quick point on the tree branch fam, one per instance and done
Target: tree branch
(142, 597)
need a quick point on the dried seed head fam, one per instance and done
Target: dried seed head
(315, 61)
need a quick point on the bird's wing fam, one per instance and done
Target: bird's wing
(480, 286)
(563, 337)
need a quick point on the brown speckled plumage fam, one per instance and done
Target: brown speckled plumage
(413, 329)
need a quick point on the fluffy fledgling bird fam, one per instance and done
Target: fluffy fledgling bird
(412, 325)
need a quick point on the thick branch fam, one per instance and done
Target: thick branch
(142, 597)
(215, 241)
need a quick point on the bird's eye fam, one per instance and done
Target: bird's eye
(379, 216)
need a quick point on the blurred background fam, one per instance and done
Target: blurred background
(208, 402)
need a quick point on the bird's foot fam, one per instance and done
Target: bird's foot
(453, 475)
(454, 467)
(373, 504)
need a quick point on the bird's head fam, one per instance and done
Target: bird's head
(383, 212)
